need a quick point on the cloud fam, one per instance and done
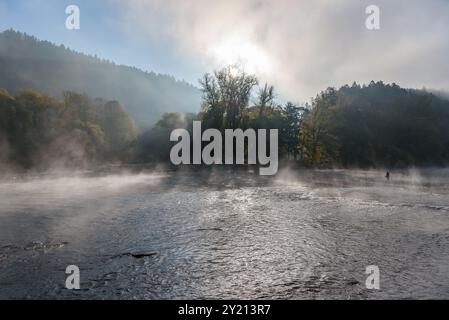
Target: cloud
(303, 46)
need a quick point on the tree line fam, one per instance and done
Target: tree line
(374, 125)
(40, 131)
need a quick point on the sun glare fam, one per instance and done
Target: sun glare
(243, 53)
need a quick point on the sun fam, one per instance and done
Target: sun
(242, 52)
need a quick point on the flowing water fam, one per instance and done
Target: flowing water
(226, 234)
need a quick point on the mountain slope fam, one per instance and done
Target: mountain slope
(26, 62)
(377, 125)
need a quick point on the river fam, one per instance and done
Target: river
(226, 234)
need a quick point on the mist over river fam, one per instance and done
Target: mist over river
(226, 234)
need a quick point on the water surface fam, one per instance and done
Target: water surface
(225, 234)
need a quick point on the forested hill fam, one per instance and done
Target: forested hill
(26, 62)
(369, 125)
(376, 125)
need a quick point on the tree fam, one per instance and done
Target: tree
(226, 96)
(293, 116)
(266, 98)
(318, 145)
(154, 145)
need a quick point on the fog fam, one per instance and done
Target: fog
(204, 233)
(283, 41)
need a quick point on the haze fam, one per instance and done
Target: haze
(281, 41)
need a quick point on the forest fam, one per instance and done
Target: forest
(364, 126)
(374, 125)
(43, 132)
(61, 123)
(26, 62)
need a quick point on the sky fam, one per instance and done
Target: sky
(301, 47)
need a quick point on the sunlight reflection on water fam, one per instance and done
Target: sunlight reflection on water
(226, 235)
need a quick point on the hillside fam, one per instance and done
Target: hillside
(26, 62)
(376, 125)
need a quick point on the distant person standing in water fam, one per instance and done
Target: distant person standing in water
(387, 175)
